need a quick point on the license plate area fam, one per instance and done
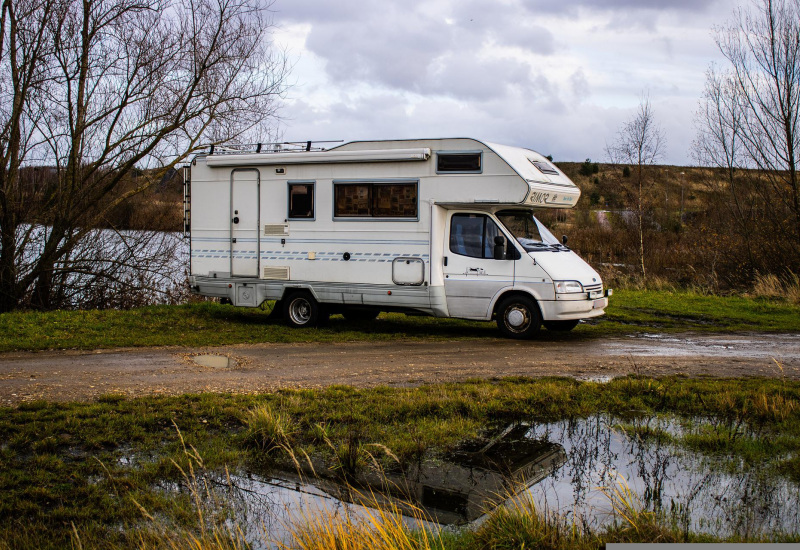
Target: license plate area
(599, 304)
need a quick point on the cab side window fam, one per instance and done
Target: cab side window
(473, 235)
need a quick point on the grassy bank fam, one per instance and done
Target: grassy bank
(210, 324)
(104, 470)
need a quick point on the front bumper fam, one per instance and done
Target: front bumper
(568, 307)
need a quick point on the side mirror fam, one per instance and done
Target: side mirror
(499, 248)
(564, 240)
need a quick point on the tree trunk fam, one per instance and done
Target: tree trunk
(8, 278)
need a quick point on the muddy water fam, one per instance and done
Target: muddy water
(778, 346)
(564, 466)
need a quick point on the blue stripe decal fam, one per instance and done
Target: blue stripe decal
(315, 241)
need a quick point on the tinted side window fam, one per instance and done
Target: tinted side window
(473, 235)
(301, 200)
(375, 200)
(352, 200)
(395, 200)
(458, 162)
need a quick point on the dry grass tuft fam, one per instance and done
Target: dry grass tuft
(268, 429)
(772, 286)
(379, 527)
(638, 524)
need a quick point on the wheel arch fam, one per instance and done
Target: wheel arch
(290, 289)
(502, 295)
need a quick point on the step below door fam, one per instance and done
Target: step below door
(245, 246)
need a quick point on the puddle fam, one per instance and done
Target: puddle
(562, 465)
(214, 361)
(781, 346)
(701, 494)
(599, 379)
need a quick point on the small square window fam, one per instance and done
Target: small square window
(301, 201)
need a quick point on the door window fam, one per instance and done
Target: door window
(473, 235)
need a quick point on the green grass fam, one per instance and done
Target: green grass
(210, 324)
(94, 464)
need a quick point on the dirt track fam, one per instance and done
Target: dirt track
(73, 375)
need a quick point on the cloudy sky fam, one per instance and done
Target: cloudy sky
(557, 76)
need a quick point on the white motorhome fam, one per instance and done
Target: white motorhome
(441, 227)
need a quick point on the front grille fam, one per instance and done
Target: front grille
(593, 288)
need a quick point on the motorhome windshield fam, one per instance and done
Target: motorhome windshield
(529, 231)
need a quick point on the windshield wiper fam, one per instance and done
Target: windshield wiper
(536, 246)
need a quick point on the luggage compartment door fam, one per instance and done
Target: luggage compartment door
(245, 241)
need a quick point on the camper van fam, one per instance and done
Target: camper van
(440, 227)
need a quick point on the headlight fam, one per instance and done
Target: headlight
(568, 287)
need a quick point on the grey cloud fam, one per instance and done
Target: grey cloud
(421, 48)
(571, 7)
(579, 85)
(572, 134)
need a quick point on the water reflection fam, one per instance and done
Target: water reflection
(563, 465)
(463, 485)
(712, 494)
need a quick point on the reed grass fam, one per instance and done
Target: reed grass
(786, 287)
(379, 525)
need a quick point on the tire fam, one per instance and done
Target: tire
(561, 326)
(301, 310)
(359, 314)
(518, 317)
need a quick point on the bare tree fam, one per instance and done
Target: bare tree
(762, 45)
(112, 94)
(639, 143)
(719, 143)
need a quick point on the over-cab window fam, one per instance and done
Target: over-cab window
(375, 200)
(473, 235)
(459, 163)
(301, 201)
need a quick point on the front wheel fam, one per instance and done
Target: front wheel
(561, 326)
(518, 317)
(301, 310)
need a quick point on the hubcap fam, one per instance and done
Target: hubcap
(300, 311)
(518, 318)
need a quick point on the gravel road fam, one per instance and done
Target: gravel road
(85, 375)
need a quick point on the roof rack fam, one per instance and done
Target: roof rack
(276, 147)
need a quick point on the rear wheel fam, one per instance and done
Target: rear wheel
(301, 310)
(360, 314)
(518, 317)
(561, 326)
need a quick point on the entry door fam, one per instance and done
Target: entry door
(244, 223)
(472, 276)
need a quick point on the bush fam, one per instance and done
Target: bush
(588, 168)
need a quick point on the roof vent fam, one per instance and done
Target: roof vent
(543, 167)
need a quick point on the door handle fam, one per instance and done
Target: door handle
(233, 240)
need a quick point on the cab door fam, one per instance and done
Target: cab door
(472, 275)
